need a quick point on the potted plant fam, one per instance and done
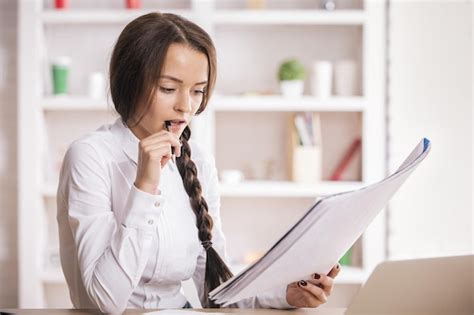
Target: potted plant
(291, 75)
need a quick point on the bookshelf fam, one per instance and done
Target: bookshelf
(252, 124)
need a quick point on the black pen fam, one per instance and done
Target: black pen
(167, 127)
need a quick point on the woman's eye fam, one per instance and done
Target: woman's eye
(165, 90)
(199, 92)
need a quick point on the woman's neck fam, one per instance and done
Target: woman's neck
(139, 131)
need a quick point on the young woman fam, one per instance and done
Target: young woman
(133, 222)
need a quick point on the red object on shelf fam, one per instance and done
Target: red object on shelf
(61, 4)
(350, 153)
(133, 4)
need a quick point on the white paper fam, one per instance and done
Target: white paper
(320, 238)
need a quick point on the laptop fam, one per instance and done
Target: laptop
(443, 285)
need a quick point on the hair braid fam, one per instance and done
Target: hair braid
(216, 269)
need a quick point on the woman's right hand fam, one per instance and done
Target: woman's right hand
(153, 154)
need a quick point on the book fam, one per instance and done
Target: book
(346, 159)
(302, 129)
(308, 128)
(316, 242)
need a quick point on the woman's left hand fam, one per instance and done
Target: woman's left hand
(312, 292)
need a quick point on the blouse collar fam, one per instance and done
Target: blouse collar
(127, 140)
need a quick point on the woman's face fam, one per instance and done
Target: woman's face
(179, 91)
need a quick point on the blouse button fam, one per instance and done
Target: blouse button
(157, 204)
(150, 222)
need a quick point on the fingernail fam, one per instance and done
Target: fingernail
(302, 283)
(316, 276)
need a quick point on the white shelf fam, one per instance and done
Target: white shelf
(74, 102)
(285, 189)
(263, 189)
(99, 16)
(225, 103)
(243, 17)
(280, 103)
(296, 17)
(347, 275)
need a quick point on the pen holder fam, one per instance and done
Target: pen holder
(306, 164)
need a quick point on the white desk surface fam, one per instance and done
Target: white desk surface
(315, 311)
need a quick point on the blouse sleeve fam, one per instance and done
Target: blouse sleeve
(269, 299)
(111, 255)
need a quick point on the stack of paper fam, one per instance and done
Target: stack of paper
(320, 238)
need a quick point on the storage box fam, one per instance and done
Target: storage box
(305, 162)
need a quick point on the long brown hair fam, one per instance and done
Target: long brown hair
(135, 67)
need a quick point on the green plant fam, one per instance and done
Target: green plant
(291, 69)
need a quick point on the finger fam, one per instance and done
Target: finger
(322, 281)
(158, 152)
(161, 136)
(335, 271)
(164, 161)
(178, 149)
(165, 137)
(316, 291)
(307, 299)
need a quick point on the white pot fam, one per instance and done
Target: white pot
(345, 80)
(293, 88)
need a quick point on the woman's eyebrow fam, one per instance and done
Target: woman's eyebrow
(178, 80)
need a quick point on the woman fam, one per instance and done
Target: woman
(132, 223)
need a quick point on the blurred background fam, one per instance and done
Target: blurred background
(313, 97)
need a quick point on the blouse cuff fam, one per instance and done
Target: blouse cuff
(143, 209)
(275, 298)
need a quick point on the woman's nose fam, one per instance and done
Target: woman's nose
(184, 103)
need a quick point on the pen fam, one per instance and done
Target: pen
(173, 156)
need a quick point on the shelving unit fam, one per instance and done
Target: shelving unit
(246, 40)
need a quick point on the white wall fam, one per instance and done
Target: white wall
(430, 94)
(8, 195)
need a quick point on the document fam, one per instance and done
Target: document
(320, 238)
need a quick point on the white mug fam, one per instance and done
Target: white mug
(321, 80)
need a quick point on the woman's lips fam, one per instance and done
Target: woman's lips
(176, 126)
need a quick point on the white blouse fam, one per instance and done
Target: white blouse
(124, 248)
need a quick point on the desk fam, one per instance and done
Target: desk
(315, 311)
